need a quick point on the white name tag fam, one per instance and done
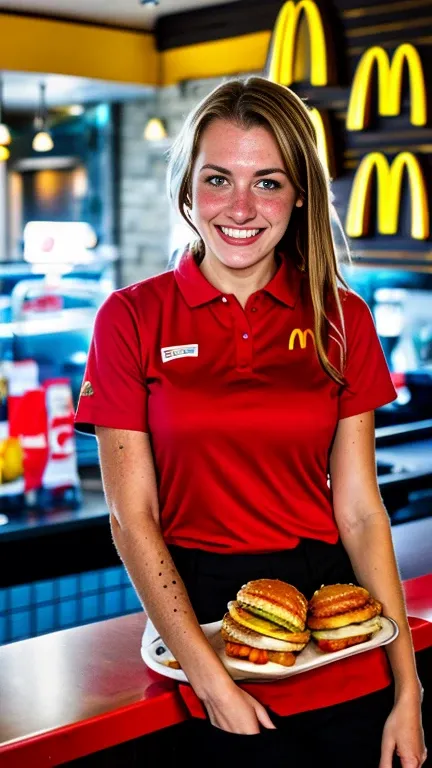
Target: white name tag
(170, 353)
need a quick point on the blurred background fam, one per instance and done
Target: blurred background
(92, 94)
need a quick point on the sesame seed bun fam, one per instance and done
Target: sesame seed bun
(337, 598)
(339, 605)
(275, 601)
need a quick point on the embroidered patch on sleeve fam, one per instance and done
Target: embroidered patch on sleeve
(87, 389)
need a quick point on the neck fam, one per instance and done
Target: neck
(242, 283)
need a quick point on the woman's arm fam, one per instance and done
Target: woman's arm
(365, 531)
(130, 490)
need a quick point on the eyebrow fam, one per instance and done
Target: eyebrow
(262, 172)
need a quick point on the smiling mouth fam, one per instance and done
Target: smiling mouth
(239, 233)
(233, 234)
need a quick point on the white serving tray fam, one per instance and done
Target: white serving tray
(310, 658)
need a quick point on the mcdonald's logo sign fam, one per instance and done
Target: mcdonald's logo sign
(389, 181)
(302, 336)
(390, 77)
(323, 144)
(287, 62)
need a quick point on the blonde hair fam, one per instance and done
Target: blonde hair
(308, 239)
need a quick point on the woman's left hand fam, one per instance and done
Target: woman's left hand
(403, 732)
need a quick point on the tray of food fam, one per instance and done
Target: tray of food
(271, 631)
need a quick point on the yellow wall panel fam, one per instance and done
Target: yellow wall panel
(235, 55)
(47, 45)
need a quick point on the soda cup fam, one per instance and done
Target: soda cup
(17, 380)
(60, 481)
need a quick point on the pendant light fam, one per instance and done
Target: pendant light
(42, 141)
(155, 130)
(5, 137)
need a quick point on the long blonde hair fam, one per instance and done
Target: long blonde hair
(308, 239)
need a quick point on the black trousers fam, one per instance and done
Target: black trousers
(347, 735)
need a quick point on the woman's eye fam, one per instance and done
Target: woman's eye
(216, 181)
(269, 184)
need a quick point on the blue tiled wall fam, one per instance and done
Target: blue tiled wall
(28, 610)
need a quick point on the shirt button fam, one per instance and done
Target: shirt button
(224, 299)
(245, 335)
(254, 309)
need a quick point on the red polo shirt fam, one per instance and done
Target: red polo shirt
(241, 417)
(240, 412)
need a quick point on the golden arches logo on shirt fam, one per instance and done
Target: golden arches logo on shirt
(390, 78)
(301, 336)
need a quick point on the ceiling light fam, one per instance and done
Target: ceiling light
(155, 130)
(42, 141)
(75, 110)
(5, 137)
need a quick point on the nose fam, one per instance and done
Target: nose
(242, 208)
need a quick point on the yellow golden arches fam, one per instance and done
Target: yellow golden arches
(302, 336)
(390, 76)
(389, 182)
(284, 47)
(323, 142)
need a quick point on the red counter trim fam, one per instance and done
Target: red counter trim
(421, 631)
(85, 737)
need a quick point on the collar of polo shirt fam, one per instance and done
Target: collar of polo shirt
(197, 291)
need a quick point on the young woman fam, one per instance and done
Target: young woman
(233, 402)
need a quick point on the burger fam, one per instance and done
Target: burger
(266, 623)
(342, 615)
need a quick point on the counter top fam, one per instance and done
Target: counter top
(63, 693)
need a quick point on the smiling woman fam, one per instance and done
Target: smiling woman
(247, 203)
(226, 393)
(271, 180)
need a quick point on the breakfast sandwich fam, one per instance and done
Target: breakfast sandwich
(266, 623)
(342, 615)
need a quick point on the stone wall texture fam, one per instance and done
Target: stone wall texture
(146, 220)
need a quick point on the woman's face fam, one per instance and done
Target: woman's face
(242, 198)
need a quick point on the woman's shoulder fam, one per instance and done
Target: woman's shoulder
(151, 288)
(142, 294)
(354, 307)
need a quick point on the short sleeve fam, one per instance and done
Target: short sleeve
(114, 392)
(368, 384)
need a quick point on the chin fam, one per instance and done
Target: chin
(237, 258)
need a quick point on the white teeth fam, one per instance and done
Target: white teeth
(240, 233)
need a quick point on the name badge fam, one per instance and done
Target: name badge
(171, 353)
